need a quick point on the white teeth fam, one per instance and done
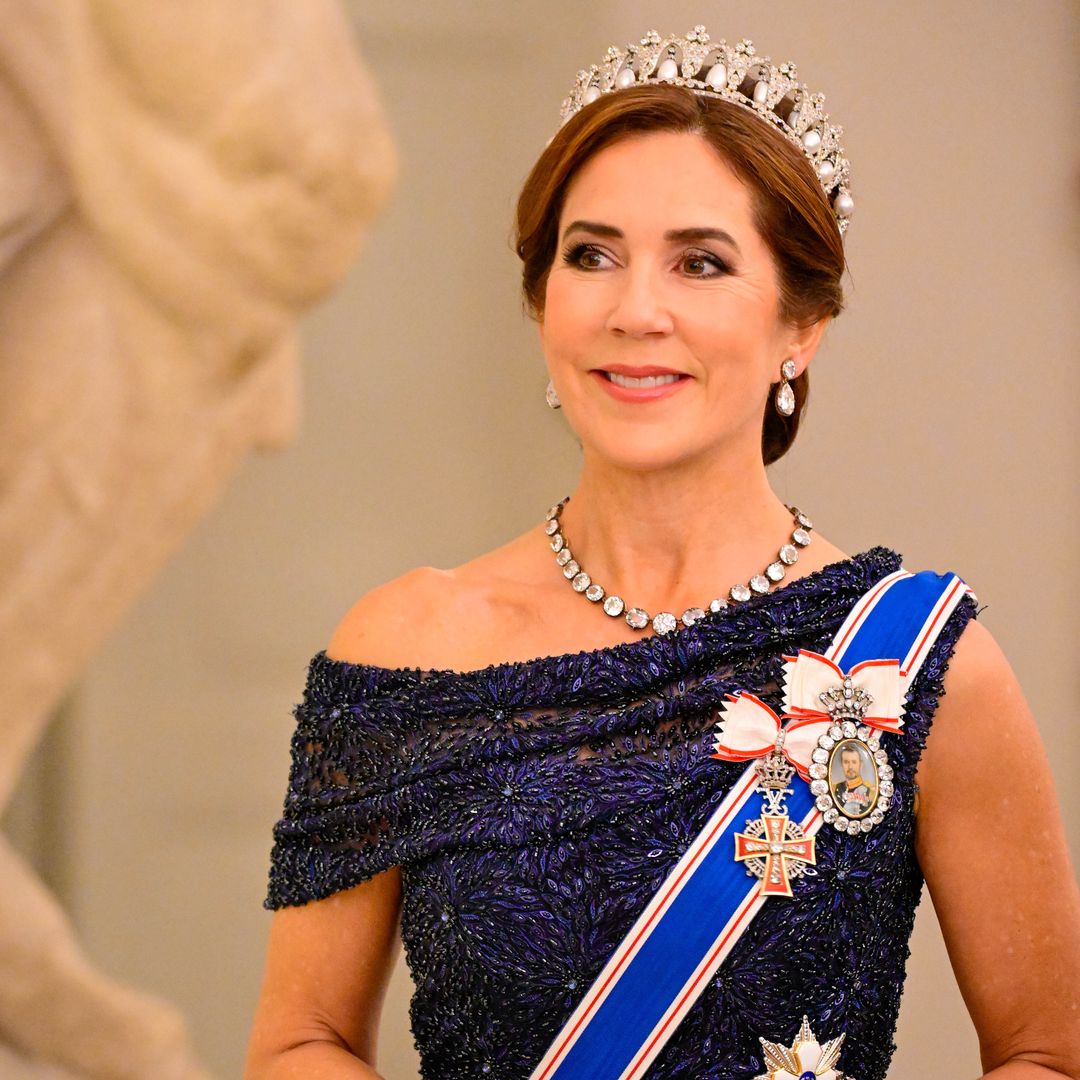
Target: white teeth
(648, 380)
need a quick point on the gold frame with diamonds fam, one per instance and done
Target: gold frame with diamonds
(829, 744)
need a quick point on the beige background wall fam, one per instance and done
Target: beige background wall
(942, 423)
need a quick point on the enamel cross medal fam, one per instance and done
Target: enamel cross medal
(773, 847)
(830, 734)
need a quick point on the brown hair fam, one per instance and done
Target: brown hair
(791, 211)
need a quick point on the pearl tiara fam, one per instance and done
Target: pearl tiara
(736, 74)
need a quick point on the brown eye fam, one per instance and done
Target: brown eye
(584, 257)
(702, 264)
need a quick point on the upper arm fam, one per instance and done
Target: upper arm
(329, 961)
(992, 847)
(328, 964)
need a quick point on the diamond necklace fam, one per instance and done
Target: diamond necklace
(664, 622)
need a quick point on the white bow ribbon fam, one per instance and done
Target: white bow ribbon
(747, 727)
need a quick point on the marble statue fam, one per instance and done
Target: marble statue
(178, 182)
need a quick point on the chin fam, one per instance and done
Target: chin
(641, 448)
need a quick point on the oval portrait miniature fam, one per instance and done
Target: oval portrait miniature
(853, 780)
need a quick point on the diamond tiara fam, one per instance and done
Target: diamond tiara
(737, 74)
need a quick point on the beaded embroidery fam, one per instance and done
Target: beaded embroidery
(535, 806)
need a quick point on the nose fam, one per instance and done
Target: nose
(639, 308)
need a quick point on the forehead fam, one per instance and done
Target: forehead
(662, 176)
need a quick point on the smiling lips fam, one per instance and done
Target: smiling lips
(639, 384)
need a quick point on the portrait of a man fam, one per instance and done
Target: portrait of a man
(853, 779)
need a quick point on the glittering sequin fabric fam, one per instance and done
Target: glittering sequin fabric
(535, 806)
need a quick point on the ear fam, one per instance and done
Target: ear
(804, 341)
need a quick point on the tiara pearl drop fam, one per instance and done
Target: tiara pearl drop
(737, 74)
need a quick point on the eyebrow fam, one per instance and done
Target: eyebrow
(695, 233)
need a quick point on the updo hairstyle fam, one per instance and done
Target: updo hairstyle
(791, 212)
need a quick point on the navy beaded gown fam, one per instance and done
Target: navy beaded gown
(535, 806)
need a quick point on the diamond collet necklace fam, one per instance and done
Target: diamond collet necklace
(665, 622)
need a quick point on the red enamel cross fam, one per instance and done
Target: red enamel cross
(777, 849)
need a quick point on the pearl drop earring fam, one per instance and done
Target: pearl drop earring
(552, 397)
(785, 396)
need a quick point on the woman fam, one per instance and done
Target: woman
(517, 760)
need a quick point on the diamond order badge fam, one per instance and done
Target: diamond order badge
(850, 772)
(773, 847)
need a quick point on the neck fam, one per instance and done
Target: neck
(668, 539)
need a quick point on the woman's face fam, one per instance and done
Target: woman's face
(659, 272)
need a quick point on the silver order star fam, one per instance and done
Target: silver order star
(804, 1057)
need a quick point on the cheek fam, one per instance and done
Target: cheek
(568, 316)
(727, 347)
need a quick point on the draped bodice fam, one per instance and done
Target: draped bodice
(535, 806)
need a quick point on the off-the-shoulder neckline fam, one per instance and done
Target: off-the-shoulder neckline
(647, 645)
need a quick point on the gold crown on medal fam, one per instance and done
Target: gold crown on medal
(846, 702)
(737, 74)
(774, 771)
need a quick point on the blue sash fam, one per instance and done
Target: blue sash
(707, 901)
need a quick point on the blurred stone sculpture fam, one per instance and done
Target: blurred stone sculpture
(178, 181)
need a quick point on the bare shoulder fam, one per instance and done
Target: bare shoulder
(399, 623)
(451, 619)
(979, 674)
